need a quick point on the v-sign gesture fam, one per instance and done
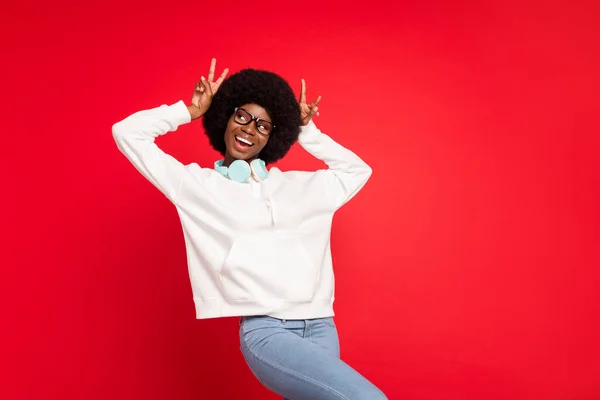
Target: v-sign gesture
(307, 110)
(205, 90)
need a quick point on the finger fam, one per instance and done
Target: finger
(303, 93)
(317, 101)
(207, 87)
(199, 87)
(211, 71)
(314, 110)
(221, 78)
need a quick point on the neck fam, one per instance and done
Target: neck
(229, 159)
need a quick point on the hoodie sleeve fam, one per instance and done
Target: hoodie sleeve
(347, 173)
(135, 137)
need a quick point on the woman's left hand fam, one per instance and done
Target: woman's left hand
(307, 110)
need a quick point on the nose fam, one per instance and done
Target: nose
(249, 129)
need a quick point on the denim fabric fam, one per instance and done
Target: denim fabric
(300, 359)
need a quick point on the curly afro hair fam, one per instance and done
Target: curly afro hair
(269, 91)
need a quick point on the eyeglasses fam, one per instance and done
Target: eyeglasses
(243, 117)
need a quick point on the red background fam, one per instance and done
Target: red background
(467, 268)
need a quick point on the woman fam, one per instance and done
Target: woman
(257, 239)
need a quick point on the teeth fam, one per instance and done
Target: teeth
(244, 140)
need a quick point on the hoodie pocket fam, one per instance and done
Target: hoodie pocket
(261, 267)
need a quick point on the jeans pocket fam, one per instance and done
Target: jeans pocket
(256, 322)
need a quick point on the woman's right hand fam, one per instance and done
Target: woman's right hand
(205, 90)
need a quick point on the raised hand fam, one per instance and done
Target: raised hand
(205, 90)
(307, 110)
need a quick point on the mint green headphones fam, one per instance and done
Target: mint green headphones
(240, 170)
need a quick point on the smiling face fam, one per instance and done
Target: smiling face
(245, 142)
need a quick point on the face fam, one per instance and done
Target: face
(245, 142)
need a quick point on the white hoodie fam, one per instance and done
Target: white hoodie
(253, 248)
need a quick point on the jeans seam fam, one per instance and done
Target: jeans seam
(242, 344)
(296, 375)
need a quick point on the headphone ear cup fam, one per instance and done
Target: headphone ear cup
(239, 171)
(259, 169)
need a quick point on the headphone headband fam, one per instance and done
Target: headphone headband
(240, 170)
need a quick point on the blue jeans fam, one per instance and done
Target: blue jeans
(300, 359)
